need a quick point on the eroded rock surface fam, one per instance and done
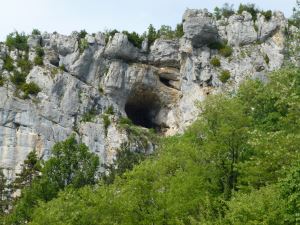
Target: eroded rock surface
(156, 87)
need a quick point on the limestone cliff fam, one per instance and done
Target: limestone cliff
(155, 87)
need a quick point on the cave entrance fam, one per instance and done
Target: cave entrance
(142, 108)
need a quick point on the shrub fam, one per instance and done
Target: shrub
(1, 80)
(215, 62)
(267, 59)
(267, 14)
(110, 110)
(89, 116)
(106, 122)
(8, 63)
(18, 78)
(82, 34)
(250, 8)
(83, 44)
(134, 38)
(226, 10)
(224, 76)
(35, 32)
(226, 51)
(125, 121)
(62, 68)
(17, 41)
(151, 34)
(31, 88)
(110, 33)
(24, 64)
(179, 30)
(38, 61)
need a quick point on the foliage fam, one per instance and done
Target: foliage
(267, 14)
(224, 76)
(17, 41)
(8, 63)
(134, 38)
(18, 78)
(226, 51)
(250, 8)
(38, 59)
(83, 44)
(125, 161)
(82, 34)
(226, 10)
(151, 34)
(110, 33)
(215, 61)
(109, 110)
(106, 122)
(2, 80)
(31, 169)
(24, 64)
(5, 195)
(89, 116)
(267, 59)
(237, 164)
(30, 89)
(35, 32)
(71, 165)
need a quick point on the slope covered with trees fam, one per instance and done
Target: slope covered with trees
(237, 164)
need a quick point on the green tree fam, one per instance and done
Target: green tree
(151, 34)
(71, 164)
(31, 169)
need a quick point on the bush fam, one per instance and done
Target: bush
(83, 44)
(224, 76)
(30, 89)
(267, 59)
(1, 80)
(226, 51)
(179, 30)
(17, 41)
(18, 78)
(35, 32)
(38, 61)
(134, 38)
(8, 63)
(226, 10)
(89, 116)
(110, 33)
(250, 8)
(267, 14)
(109, 110)
(82, 34)
(106, 122)
(215, 62)
(125, 121)
(24, 64)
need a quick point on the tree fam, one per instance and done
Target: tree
(31, 169)
(71, 164)
(4, 194)
(151, 34)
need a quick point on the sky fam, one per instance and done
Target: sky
(65, 16)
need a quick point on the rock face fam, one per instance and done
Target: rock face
(156, 87)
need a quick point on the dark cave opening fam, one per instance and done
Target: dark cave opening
(142, 108)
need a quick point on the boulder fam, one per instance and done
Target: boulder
(199, 26)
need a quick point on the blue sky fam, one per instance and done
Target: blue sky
(65, 16)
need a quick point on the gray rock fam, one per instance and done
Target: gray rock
(164, 53)
(34, 41)
(199, 26)
(241, 30)
(120, 48)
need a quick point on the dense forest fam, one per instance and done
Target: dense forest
(238, 163)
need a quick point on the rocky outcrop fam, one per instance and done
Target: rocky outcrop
(156, 86)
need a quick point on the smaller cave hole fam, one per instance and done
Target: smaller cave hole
(142, 108)
(165, 81)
